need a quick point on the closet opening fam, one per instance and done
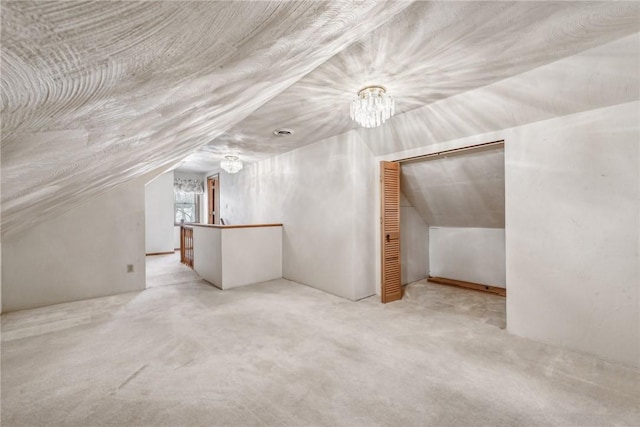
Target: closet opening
(451, 223)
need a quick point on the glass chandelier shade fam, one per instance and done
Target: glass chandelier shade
(372, 107)
(231, 164)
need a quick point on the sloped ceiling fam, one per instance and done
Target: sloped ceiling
(428, 52)
(459, 190)
(97, 93)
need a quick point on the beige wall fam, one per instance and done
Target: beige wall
(159, 214)
(323, 195)
(232, 257)
(573, 203)
(414, 244)
(471, 254)
(80, 254)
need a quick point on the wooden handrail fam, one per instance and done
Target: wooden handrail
(236, 226)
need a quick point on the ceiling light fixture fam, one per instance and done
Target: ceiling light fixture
(372, 107)
(231, 164)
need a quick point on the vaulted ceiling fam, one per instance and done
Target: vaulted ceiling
(97, 93)
(464, 189)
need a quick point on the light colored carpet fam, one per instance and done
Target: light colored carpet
(283, 354)
(163, 270)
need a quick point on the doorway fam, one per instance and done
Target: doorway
(452, 225)
(213, 194)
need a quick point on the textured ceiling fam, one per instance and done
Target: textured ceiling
(94, 94)
(459, 190)
(97, 93)
(430, 51)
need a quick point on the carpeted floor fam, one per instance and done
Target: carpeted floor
(283, 354)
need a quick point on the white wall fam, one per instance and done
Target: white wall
(414, 243)
(470, 254)
(159, 214)
(571, 134)
(573, 203)
(176, 237)
(207, 254)
(364, 186)
(323, 195)
(251, 255)
(80, 254)
(232, 257)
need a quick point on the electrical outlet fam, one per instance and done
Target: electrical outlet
(129, 268)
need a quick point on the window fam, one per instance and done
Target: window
(187, 207)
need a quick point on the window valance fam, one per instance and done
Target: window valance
(188, 185)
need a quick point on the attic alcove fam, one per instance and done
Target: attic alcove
(453, 217)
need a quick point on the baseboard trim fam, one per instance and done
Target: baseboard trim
(160, 253)
(469, 285)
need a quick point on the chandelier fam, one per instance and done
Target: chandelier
(231, 164)
(372, 107)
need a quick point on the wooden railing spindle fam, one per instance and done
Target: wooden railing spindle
(186, 245)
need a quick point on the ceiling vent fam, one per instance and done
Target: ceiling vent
(283, 132)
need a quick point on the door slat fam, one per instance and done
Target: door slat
(391, 289)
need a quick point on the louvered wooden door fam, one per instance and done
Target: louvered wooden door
(390, 223)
